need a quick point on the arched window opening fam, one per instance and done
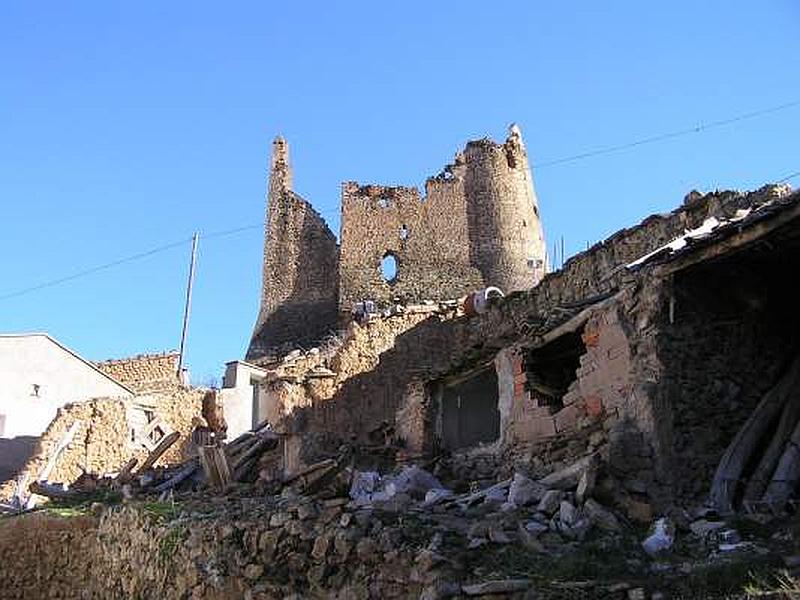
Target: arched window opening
(389, 268)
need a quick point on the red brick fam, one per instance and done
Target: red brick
(541, 428)
(591, 339)
(519, 366)
(594, 406)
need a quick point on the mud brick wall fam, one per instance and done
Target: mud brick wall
(146, 372)
(102, 441)
(300, 270)
(477, 225)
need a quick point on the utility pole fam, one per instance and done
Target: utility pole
(188, 306)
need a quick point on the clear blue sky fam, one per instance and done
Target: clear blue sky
(127, 126)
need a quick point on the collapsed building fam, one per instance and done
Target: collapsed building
(478, 225)
(516, 437)
(649, 350)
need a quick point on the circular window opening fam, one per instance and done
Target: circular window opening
(389, 268)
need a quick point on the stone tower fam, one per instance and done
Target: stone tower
(506, 238)
(299, 292)
(478, 225)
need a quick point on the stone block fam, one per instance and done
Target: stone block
(541, 427)
(567, 418)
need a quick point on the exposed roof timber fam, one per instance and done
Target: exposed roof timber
(570, 325)
(732, 239)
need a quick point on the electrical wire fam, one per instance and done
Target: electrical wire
(575, 157)
(788, 177)
(669, 135)
(91, 270)
(125, 260)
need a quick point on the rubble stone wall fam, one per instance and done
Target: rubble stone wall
(478, 225)
(731, 333)
(262, 553)
(300, 271)
(618, 379)
(146, 372)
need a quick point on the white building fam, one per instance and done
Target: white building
(38, 375)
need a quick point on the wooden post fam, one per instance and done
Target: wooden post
(188, 305)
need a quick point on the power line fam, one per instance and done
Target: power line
(122, 261)
(575, 157)
(227, 232)
(91, 270)
(665, 136)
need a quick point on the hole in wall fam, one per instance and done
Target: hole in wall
(383, 202)
(389, 268)
(552, 369)
(403, 232)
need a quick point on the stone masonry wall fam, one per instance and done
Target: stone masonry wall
(145, 372)
(732, 332)
(255, 549)
(478, 225)
(618, 376)
(300, 276)
(427, 238)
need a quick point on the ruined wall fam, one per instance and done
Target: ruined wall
(477, 225)
(102, 443)
(300, 276)
(617, 380)
(255, 549)
(145, 372)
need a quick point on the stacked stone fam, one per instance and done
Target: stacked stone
(48, 557)
(144, 372)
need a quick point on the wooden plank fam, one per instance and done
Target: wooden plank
(162, 447)
(187, 471)
(315, 467)
(125, 473)
(265, 443)
(215, 466)
(65, 441)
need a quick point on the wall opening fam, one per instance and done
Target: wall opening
(469, 411)
(730, 331)
(552, 369)
(389, 268)
(403, 232)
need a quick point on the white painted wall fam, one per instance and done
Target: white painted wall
(237, 397)
(63, 377)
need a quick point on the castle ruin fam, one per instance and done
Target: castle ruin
(478, 225)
